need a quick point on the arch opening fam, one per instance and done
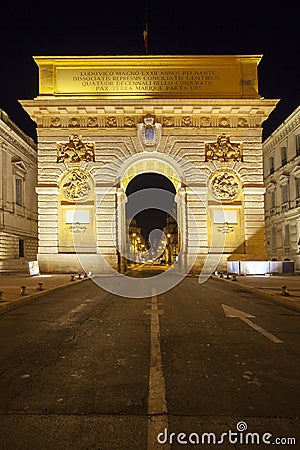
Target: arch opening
(153, 231)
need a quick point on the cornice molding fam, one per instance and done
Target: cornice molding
(17, 142)
(287, 127)
(71, 113)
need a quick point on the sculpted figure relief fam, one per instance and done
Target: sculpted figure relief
(223, 150)
(76, 185)
(224, 185)
(75, 150)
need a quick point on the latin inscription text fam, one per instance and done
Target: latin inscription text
(140, 81)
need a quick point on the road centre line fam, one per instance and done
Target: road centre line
(157, 405)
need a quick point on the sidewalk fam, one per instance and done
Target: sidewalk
(270, 288)
(11, 285)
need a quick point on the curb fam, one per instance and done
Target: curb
(274, 298)
(7, 303)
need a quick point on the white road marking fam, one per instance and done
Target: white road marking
(157, 405)
(68, 319)
(78, 308)
(232, 312)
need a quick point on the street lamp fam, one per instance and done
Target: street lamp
(142, 251)
(134, 244)
(168, 248)
(139, 248)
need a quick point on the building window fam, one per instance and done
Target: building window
(273, 199)
(286, 240)
(21, 248)
(297, 183)
(298, 145)
(274, 238)
(19, 188)
(283, 156)
(271, 164)
(285, 193)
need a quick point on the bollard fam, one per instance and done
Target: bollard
(72, 278)
(227, 276)
(234, 278)
(284, 291)
(85, 275)
(79, 276)
(40, 286)
(221, 274)
(1, 297)
(23, 290)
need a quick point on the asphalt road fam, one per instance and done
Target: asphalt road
(86, 369)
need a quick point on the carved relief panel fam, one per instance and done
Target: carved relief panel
(75, 150)
(223, 150)
(76, 185)
(224, 185)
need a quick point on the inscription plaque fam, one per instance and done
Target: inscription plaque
(156, 76)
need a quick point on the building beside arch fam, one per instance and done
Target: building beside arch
(103, 120)
(18, 203)
(281, 152)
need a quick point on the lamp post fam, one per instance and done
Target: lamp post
(134, 244)
(168, 248)
(139, 248)
(142, 251)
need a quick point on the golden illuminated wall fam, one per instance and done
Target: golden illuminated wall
(196, 119)
(150, 76)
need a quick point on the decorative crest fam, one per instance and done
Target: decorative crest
(223, 150)
(75, 150)
(149, 132)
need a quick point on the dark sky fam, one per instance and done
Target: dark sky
(150, 218)
(115, 28)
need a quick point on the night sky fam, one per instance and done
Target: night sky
(116, 28)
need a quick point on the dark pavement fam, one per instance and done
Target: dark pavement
(74, 367)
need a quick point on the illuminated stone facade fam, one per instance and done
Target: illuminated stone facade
(102, 120)
(18, 200)
(282, 179)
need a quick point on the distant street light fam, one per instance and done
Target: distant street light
(168, 248)
(134, 244)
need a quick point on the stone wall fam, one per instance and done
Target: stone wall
(18, 204)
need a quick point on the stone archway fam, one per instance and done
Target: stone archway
(157, 164)
(199, 132)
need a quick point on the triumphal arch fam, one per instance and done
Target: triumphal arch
(101, 121)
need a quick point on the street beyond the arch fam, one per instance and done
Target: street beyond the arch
(198, 365)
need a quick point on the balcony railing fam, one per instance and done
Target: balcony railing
(285, 207)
